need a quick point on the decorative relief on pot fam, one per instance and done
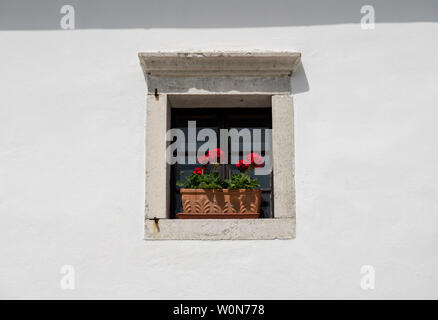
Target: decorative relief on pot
(187, 205)
(228, 208)
(218, 204)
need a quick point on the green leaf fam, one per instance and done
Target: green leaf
(180, 183)
(241, 181)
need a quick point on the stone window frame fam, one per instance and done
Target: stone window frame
(218, 79)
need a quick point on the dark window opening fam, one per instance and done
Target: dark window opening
(216, 119)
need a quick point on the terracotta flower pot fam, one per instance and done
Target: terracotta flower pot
(220, 203)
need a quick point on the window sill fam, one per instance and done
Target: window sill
(220, 229)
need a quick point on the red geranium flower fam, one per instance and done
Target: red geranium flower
(216, 155)
(203, 160)
(254, 159)
(199, 170)
(242, 166)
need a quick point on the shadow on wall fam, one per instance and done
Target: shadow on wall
(116, 14)
(299, 80)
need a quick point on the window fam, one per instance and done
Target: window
(216, 119)
(219, 90)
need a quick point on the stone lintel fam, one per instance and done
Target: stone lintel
(227, 72)
(196, 64)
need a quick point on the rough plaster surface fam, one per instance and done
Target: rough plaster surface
(155, 151)
(72, 115)
(220, 229)
(283, 155)
(217, 84)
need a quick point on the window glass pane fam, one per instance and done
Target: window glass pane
(264, 180)
(259, 139)
(178, 205)
(216, 119)
(197, 143)
(265, 207)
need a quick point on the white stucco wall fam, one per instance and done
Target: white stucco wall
(72, 114)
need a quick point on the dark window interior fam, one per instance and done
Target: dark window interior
(216, 119)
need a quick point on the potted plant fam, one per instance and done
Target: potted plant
(206, 196)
